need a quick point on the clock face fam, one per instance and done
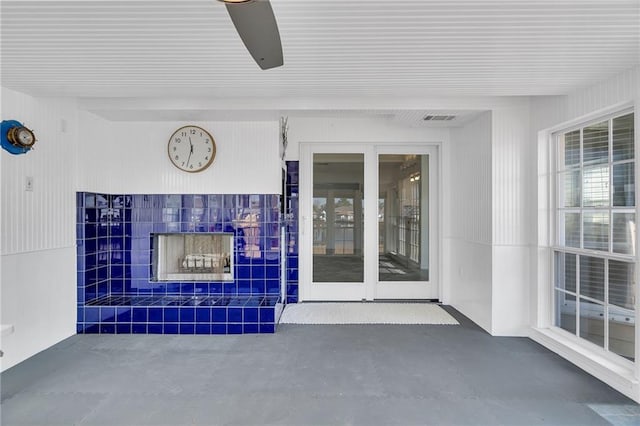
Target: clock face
(21, 136)
(192, 149)
(25, 137)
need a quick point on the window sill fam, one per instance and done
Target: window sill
(618, 375)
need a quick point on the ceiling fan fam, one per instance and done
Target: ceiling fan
(257, 27)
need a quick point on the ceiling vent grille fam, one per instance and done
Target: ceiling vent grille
(431, 117)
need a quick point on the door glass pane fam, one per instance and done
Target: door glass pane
(338, 188)
(403, 217)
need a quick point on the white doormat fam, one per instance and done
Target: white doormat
(365, 313)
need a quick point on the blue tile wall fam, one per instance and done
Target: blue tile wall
(116, 292)
(291, 223)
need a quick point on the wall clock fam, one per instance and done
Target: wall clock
(191, 149)
(16, 138)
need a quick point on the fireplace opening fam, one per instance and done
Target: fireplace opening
(193, 257)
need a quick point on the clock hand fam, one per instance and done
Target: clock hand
(190, 151)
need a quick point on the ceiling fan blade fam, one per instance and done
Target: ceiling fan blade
(258, 30)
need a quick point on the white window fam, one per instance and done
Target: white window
(595, 250)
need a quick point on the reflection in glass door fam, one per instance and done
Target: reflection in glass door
(338, 185)
(403, 217)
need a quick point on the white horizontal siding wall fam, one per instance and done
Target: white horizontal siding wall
(131, 157)
(38, 290)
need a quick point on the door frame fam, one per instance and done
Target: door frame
(309, 291)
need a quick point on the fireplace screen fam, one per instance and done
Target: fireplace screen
(193, 257)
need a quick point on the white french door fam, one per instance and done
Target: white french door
(368, 222)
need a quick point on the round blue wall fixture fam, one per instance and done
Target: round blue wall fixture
(5, 125)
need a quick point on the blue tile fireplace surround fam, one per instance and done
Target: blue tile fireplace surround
(121, 291)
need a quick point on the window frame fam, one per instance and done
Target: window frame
(558, 211)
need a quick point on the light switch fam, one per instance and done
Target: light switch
(28, 183)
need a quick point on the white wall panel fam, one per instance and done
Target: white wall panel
(356, 130)
(470, 182)
(43, 218)
(95, 135)
(510, 290)
(467, 274)
(513, 178)
(39, 300)
(38, 284)
(512, 175)
(133, 158)
(467, 251)
(622, 87)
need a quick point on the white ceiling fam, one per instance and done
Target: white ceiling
(356, 48)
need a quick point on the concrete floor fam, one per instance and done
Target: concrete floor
(303, 375)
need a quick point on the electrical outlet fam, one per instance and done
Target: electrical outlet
(28, 183)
